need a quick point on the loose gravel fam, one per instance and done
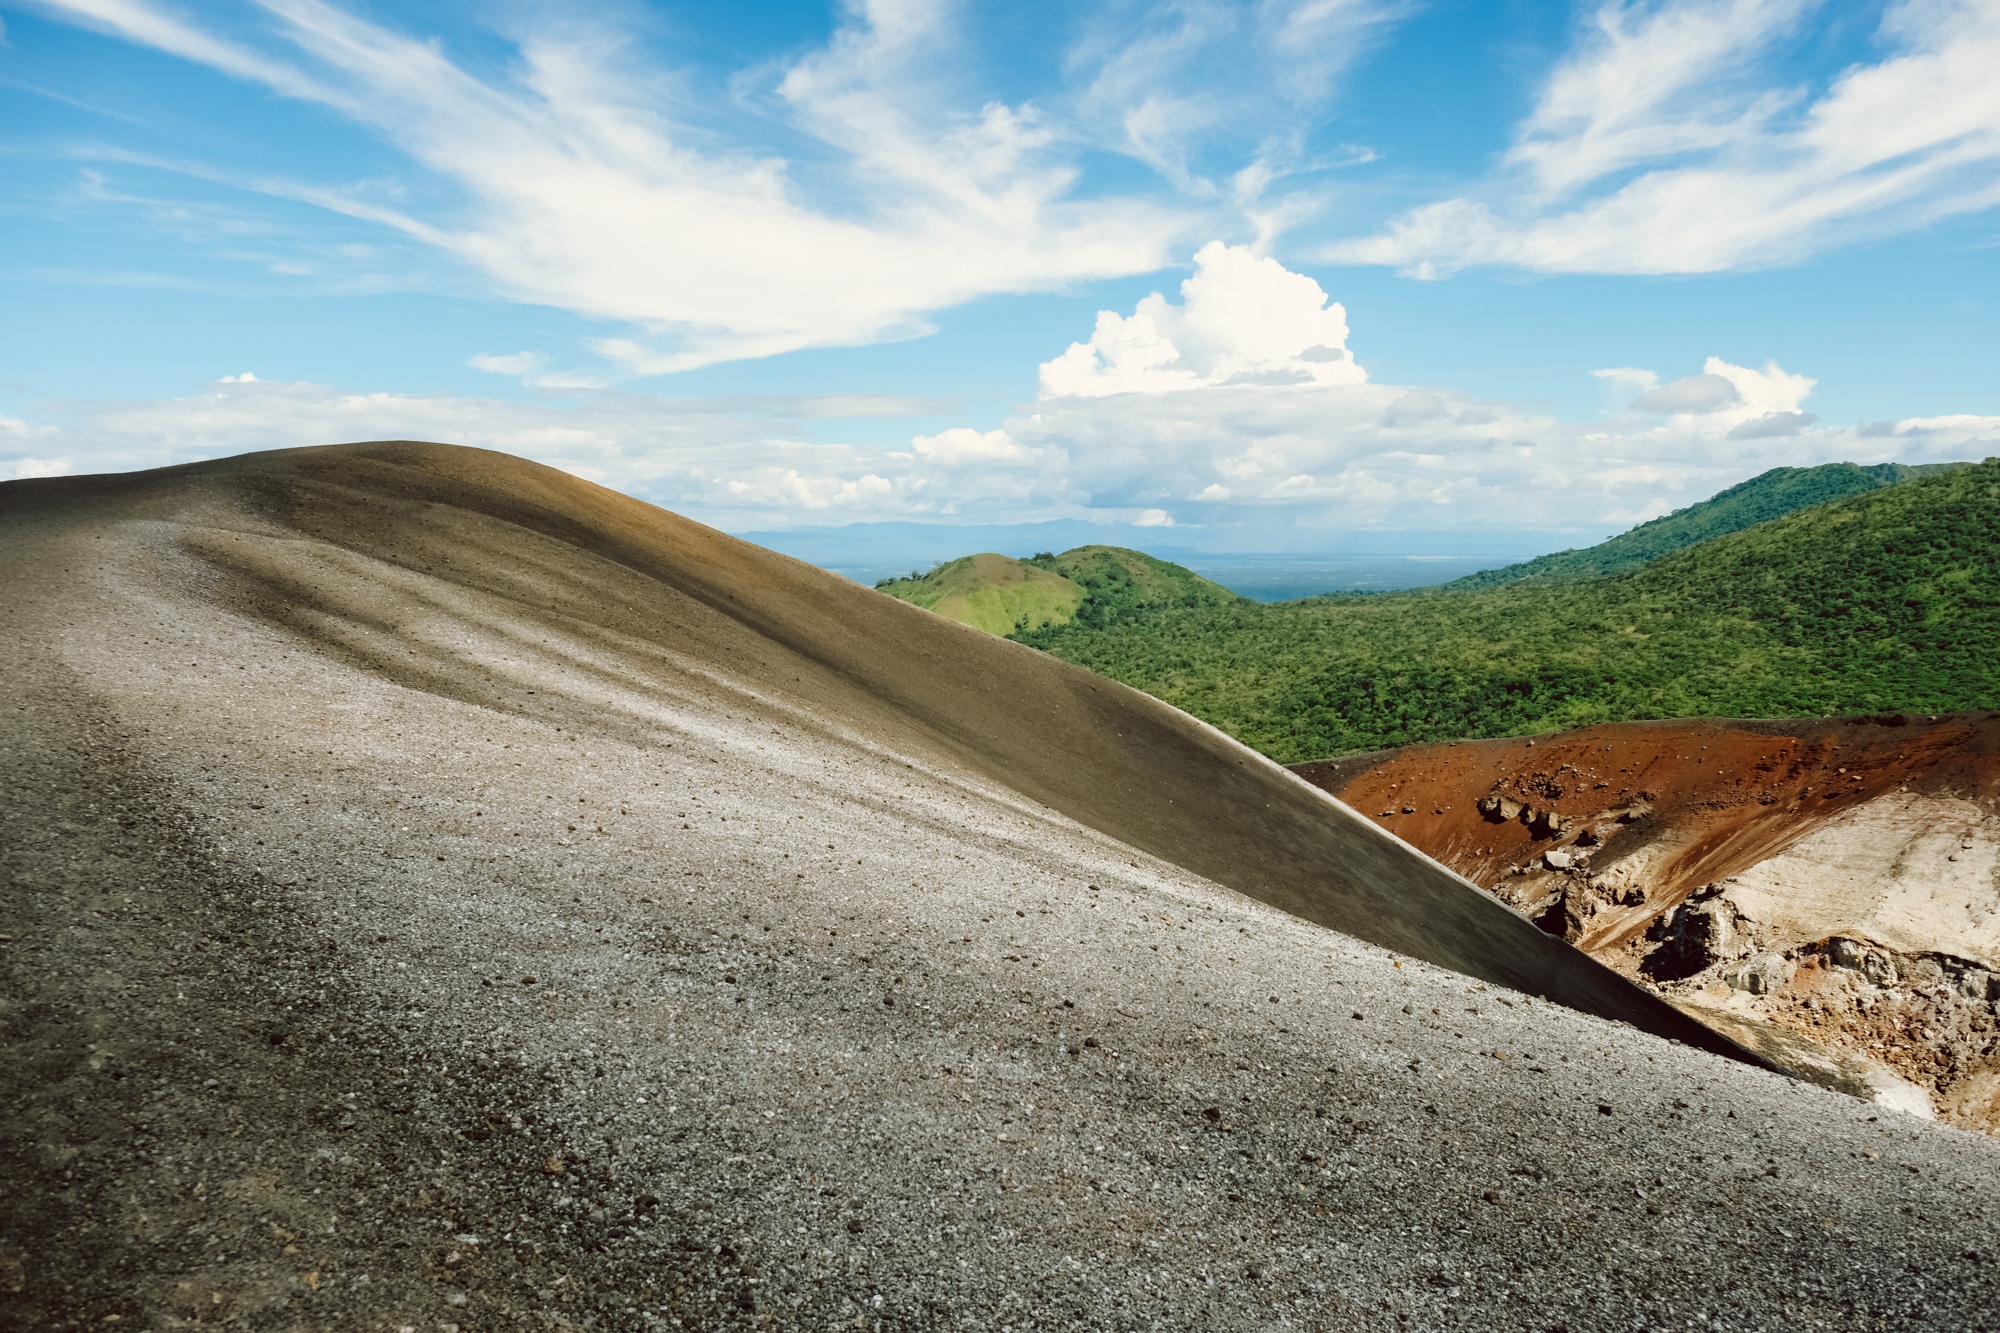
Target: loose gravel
(667, 1001)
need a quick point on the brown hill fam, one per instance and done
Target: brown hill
(282, 534)
(1837, 878)
(444, 893)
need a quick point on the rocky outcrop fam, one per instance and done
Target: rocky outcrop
(1762, 975)
(1695, 936)
(1825, 885)
(1540, 821)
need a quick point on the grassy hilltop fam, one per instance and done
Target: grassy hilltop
(1094, 586)
(1887, 599)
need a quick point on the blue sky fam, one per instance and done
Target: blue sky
(1270, 274)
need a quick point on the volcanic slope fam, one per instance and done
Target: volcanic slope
(1826, 888)
(441, 892)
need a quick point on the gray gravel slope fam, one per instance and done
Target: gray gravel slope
(826, 1026)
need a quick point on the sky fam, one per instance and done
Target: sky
(1247, 277)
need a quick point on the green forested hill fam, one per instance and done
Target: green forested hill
(1885, 600)
(995, 593)
(1120, 583)
(1768, 495)
(1095, 586)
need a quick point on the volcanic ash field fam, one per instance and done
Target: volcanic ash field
(444, 895)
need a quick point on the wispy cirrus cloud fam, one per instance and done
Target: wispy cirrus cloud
(1160, 81)
(1668, 143)
(832, 197)
(871, 182)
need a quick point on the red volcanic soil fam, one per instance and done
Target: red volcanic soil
(1733, 792)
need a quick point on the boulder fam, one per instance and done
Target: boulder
(1705, 933)
(1765, 973)
(1879, 967)
(1547, 823)
(1569, 914)
(1921, 971)
(1498, 809)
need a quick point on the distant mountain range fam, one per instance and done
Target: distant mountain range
(995, 593)
(1255, 565)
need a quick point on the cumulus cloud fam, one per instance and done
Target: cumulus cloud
(1696, 394)
(1761, 392)
(1734, 396)
(1243, 317)
(1771, 425)
(962, 444)
(1241, 406)
(1674, 140)
(1220, 423)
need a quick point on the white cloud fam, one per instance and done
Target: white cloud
(584, 195)
(1737, 396)
(1772, 425)
(835, 196)
(1161, 80)
(1653, 84)
(961, 444)
(21, 468)
(509, 363)
(729, 460)
(1697, 394)
(1956, 424)
(1243, 317)
(16, 434)
(1237, 437)
(1734, 164)
(13, 429)
(1249, 431)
